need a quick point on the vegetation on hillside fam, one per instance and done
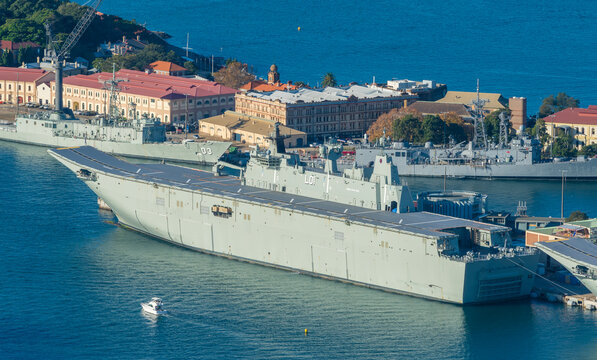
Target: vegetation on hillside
(137, 61)
(409, 125)
(23, 20)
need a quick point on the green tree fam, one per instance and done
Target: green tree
(408, 128)
(540, 131)
(589, 150)
(563, 145)
(560, 102)
(191, 67)
(328, 80)
(577, 216)
(434, 129)
(22, 30)
(492, 125)
(234, 75)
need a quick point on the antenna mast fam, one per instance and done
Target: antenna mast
(480, 136)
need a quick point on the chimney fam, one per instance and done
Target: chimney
(138, 37)
(518, 107)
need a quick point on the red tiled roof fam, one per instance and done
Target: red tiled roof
(166, 66)
(258, 85)
(575, 116)
(152, 85)
(26, 75)
(11, 45)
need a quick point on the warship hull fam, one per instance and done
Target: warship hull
(202, 153)
(578, 256)
(577, 170)
(377, 249)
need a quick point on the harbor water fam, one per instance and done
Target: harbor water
(72, 284)
(517, 48)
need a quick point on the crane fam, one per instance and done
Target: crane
(57, 56)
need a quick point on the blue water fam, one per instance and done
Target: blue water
(71, 282)
(71, 286)
(518, 48)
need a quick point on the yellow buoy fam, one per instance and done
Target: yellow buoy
(306, 331)
(299, 29)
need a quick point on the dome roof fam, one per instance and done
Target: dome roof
(273, 68)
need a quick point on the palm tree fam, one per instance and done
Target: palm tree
(329, 80)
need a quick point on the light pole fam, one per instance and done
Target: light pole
(562, 204)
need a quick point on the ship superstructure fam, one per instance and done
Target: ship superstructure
(428, 255)
(377, 187)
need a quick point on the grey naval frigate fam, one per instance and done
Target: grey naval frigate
(138, 138)
(355, 227)
(520, 159)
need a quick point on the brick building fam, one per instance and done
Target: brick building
(344, 112)
(581, 123)
(172, 99)
(21, 84)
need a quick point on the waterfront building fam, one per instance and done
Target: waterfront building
(578, 122)
(436, 108)
(249, 130)
(124, 47)
(493, 102)
(321, 113)
(20, 85)
(12, 47)
(171, 99)
(167, 68)
(272, 84)
(426, 90)
(586, 229)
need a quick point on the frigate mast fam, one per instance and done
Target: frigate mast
(480, 136)
(503, 129)
(113, 101)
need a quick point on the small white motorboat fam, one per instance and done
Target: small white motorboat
(155, 306)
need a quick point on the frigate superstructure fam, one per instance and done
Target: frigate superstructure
(417, 253)
(138, 138)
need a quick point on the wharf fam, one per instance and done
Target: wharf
(569, 294)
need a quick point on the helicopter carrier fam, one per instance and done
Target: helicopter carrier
(332, 231)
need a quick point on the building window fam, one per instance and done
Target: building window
(153, 101)
(198, 102)
(214, 101)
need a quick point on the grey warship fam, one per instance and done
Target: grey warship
(138, 138)
(112, 133)
(519, 158)
(312, 232)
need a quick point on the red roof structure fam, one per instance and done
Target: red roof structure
(579, 116)
(11, 45)
(152, 85)
(22, 75)
(262, 86)
(166, 66)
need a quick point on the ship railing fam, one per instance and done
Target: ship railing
(8, 128)
(474, 256)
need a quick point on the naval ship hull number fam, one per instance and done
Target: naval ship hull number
(206, 151)
(310, 180)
